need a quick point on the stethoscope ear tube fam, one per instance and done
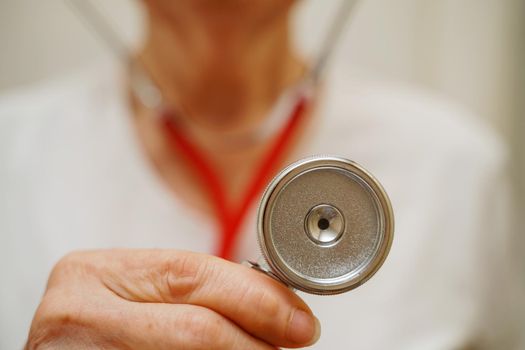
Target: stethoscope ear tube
(331, 39)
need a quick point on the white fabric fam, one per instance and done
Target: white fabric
(72, 176)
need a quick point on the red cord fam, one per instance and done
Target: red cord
(230, 218)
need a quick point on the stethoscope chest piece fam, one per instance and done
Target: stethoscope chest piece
(325, 226)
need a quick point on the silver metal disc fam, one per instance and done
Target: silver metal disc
(325, 225)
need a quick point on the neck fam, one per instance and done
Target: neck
(223, 71)
(220, 72)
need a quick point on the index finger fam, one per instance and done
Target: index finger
(260, 305)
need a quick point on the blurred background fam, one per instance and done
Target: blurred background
(470, 51)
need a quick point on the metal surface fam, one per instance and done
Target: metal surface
(325, 225)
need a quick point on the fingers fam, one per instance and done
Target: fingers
(102, 321)
(256, 303)
(185, 327)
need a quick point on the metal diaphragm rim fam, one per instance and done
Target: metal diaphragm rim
(321, 286)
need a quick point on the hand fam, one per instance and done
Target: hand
(165, 299)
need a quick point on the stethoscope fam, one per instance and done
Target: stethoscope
(280, 125)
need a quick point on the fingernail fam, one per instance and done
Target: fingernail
(304, 328)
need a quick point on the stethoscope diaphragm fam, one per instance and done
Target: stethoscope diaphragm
(325, 225)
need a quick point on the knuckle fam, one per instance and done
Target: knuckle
(53, 324)
(66, 261)
(62, 322)
(62, 268)
(183, 276)
(70, 265)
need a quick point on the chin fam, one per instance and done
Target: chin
(238, 9)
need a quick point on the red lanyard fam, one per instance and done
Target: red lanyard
(230, 218)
